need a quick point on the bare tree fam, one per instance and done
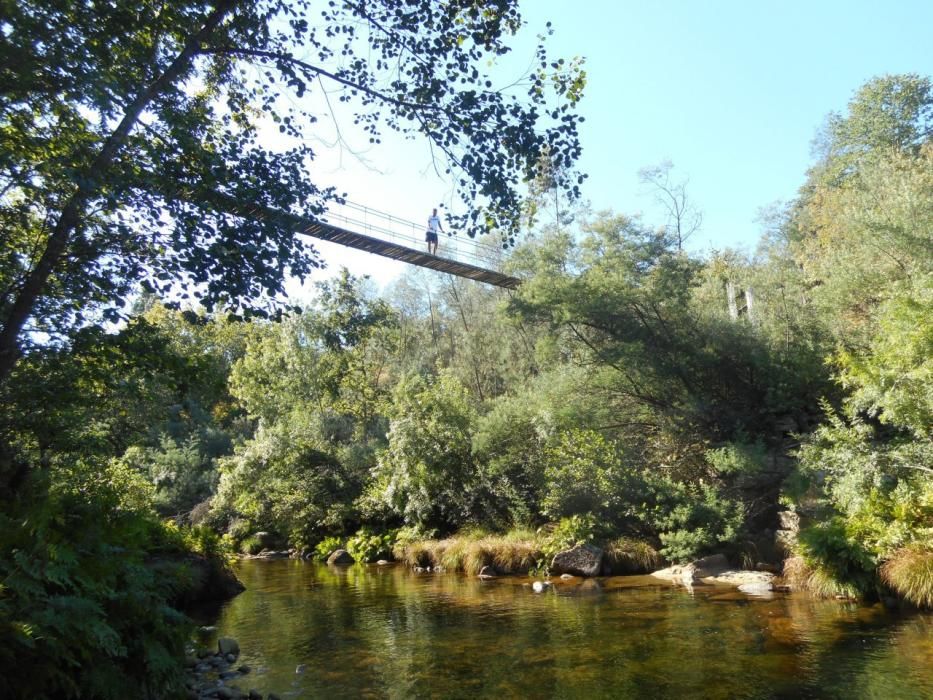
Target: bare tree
(683, 217)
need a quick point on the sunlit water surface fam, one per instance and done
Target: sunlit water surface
(312, 631)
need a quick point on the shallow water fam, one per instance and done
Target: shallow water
(312, 631)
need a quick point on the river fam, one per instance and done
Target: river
(311, 631)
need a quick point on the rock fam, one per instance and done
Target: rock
(540, 586)
(254, 694)
(788, 520)
(228, 645)
(340, 557)
(712, 565)
(230, 658)
(740, 578)
(381, 562)
(301, 668)
(244, 669)
(765, 566)
(203, 653)
(756, 588)
(226, 675)
(487, 572)
(273, 696)
(226, 693)
(207, 629)
(438, 569)
(582, 560)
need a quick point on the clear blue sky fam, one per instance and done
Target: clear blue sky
(731, 92)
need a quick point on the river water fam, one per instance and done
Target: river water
(313, 631)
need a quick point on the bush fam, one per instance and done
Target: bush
(368, 546)
(910, 573)
(691, 520)
(567, 533)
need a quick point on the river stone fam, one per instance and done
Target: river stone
(756, 588)
(381, 562)
(582, 560)
(340, 557)
(540, 586)
(228, 645)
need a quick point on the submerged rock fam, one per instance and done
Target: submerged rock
(582, 560)
(228, 645)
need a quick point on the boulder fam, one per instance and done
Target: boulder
(582, 560)
(228, 645)
(688, 574)
(340, 557)
(713, 565)
(756, 588)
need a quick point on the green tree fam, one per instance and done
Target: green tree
(132, 133)
(427, 474)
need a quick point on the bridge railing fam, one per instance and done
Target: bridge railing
(387, 227)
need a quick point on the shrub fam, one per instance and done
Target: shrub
(368, 546)
(568, 532)
(691, 520)
(910, 573)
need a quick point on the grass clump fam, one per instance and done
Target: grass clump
(630, 556)
(468, 552)
(910, 573)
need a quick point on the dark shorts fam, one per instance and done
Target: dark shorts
(430, 237)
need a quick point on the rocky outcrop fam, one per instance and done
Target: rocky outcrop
(340, 558)
(210, 580)
(582, 560)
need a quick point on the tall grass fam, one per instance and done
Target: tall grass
(629, 556)
(514, 552)
(910, 573)
(819, 580)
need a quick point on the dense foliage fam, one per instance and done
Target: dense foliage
(159, 148)
(662, 403)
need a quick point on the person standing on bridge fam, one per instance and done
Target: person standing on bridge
(430, 236)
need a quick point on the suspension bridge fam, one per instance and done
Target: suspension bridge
(357, 226)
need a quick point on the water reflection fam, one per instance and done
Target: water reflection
(368, 631)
